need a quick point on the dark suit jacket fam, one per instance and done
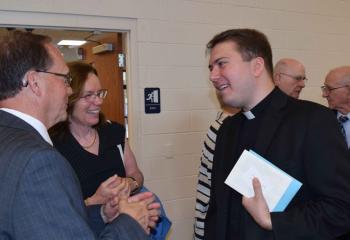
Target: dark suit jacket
(303, 139)
(39, 193)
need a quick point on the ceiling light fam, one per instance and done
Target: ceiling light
(71, 42)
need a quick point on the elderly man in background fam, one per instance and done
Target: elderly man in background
(289, 76)
(336, 90)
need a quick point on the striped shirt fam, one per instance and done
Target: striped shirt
(204, 176)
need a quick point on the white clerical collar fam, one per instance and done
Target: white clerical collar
(35, 123)
(249, 115)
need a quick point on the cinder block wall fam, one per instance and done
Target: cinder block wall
(171, 38)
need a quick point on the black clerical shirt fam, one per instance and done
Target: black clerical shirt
(248, 132)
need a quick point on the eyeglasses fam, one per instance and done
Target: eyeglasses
(66, 77)
(327, 90)
(91, 96)
(298, 78)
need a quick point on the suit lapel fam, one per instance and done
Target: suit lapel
(223, 163)
(233, 141)
(271, 121)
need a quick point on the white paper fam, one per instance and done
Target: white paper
(278, 187)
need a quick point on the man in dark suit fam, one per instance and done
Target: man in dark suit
(39, 193)
(336, 90)
(302, 138)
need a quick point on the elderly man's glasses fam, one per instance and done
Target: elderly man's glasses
(327, 90)
(298, 78)
(91, 96)
(66, 77)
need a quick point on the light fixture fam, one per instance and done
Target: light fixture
(71, 42)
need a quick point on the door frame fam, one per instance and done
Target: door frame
(23, 19)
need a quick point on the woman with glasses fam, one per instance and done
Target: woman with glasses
(97, 149)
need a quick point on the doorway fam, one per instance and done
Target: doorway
(82, 23)
(128, 26)
(102, 51)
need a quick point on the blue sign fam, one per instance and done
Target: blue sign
(152, 100)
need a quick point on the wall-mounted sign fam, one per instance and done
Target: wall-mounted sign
(152, 100)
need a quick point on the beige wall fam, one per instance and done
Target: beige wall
(169, 40)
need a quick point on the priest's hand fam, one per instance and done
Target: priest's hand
(257, 206)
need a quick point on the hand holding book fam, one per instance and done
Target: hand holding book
(257, 206)
(277, 186)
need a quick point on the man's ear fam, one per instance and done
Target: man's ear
(258, 66)
(31, 79)
(276, 79)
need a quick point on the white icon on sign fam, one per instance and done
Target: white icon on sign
(153, 96)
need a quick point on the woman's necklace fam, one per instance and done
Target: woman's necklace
(93, 141)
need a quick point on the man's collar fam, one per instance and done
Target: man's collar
(259, 108)
(249, 115)
(340, 114)
(35, 123)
